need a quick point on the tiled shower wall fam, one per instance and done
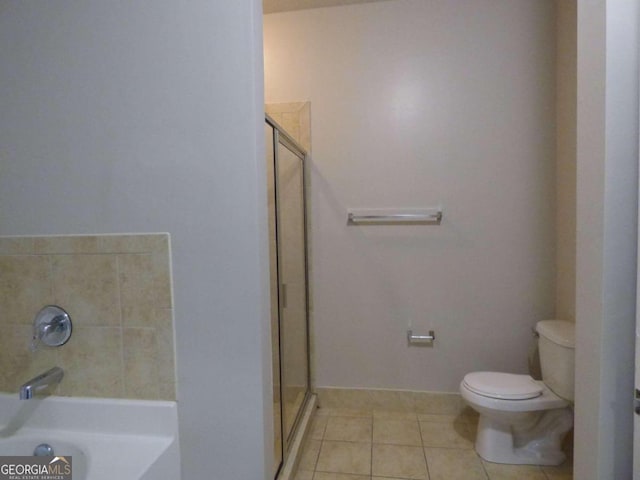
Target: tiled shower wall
(295, 118)
(117, 291)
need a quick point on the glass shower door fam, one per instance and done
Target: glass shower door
(293, 283)
(275, 327)
(288, 267)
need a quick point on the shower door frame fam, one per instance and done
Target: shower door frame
(280, 136)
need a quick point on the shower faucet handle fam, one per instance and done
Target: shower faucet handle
(51, 327)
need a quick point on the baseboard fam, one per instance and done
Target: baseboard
(435, 403)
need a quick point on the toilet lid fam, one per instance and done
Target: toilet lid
(506, 386)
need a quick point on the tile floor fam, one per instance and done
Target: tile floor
(383, 445)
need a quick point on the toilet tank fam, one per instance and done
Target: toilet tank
(557, 343)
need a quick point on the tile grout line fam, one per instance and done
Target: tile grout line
(324, 431)
(371, 459)
(120, 310)
(315, 464)
(53, 293)
(424, 450)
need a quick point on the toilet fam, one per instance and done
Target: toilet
(522, 420)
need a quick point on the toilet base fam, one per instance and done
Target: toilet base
(538, 443)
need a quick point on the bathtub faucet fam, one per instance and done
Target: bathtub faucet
(47, 379)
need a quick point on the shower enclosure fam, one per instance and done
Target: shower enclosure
(289, 284)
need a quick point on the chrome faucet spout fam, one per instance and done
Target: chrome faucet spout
(47, 379)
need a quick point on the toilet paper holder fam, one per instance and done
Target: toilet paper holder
(420, 339)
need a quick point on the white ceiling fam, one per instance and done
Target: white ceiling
(273, 6)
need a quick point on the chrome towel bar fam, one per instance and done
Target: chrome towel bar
(416, 218)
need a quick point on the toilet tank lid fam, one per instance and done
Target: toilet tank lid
(558, 331)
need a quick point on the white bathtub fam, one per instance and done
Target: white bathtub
(106, 438)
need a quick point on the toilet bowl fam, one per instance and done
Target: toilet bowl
(519, 431)
(522, 420)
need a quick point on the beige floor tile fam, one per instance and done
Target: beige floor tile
(386, 414)
(498, 471)
(396, 432)
(470, 413)
(425, 417)
(344, 412)
(566, 467)
(345, 457)
(303, 475)
(399, 461)
(456, 435)
(387, 478)
(318, 427)
(559, 476)
(309, 455)
(454, 464)
(339, 476)
(348, 429)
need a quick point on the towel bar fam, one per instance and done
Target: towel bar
(423, 218)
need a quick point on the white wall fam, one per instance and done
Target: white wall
(133, 117)
(415, 103)
(607, 186)
(566, 20)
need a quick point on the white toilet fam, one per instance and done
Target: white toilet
(522, 420)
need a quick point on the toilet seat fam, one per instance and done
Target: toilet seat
(547, 400)
(503, 386)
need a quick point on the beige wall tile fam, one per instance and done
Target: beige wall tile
(16, 245)
(344, 412)
(25, 287)
(80, 273)
(141, 379)
(276, 116)
(295, 118)
(86, 287)
(390, 400)
(140, 354)
(166, 364)
(66, 244)
(19, 363)
(145, 281)
(157, 243)
(93, 363)
(305, 126)
(146, 316)
(438, 403)
(279, 108)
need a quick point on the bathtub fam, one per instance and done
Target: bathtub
(106, 438)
